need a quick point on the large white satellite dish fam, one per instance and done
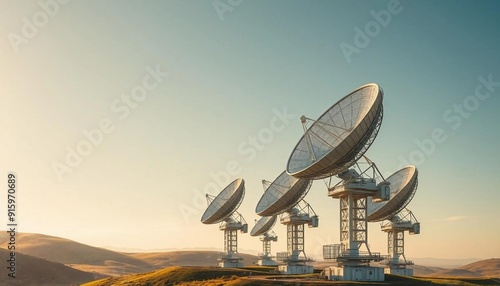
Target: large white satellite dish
(340, 136)
(403, 185)
(263, 225)
(222, 209)
(284, 196)
(330, 146)
(225, 203)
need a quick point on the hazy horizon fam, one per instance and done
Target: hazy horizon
(256, 252)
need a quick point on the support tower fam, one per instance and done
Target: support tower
(395, 228)
(295, 257)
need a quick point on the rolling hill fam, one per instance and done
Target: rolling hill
(486, 268)
(483, 268)
(99, 260)
(186, 258)
(419, 270)
(443, 262)
(66, 261)
(178, 275)
(455, 273)
(77, 255)
(36, 271)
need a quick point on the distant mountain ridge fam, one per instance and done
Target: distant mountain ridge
(444, 262)
(483, 268)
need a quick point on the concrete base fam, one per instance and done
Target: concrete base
(296, 269)
(399, 271)
(355, 273)
(266, 262)
(230, 264)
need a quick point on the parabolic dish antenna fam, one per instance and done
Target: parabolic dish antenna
(340, 136)
(403, 185)
(282, 194)
(225, 203)
(263, 225)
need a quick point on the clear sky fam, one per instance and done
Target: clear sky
(189, 95)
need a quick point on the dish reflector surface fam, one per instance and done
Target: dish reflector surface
(403, 186)
(339, 137)
(284, 193)
(225, 203)
(264, 224)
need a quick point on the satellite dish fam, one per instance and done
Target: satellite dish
(282, 194)
(340, 136)
(285, 196)
(263, 229)
(403, 185)
(263, 225)
(225, 203)
(330, 146)
(223, 209)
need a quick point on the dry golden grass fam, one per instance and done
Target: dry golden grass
(78, 255)
(186, 258)
(455, 273)
(486, 268)
(483, 268)
(67, 251)
(207, 276)
(175, 275)
(419, 270)
(97, 260)
(35, 271)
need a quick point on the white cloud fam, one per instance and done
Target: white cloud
(456, 218)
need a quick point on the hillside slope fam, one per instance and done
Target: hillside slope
(186, 258)
(178, 275)
(482, 268)
(419, 270)
(171, 276)
(36, 271)
(488, 267)
(99, 260)
(77, 255)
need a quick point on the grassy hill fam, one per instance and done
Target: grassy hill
(455, 273)
(186, 258)
(419, 270)
(36, 271)
(485, 268)
(177, 274)
(99, 260)
(253, 276)
(77, 255)
(45, 261)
